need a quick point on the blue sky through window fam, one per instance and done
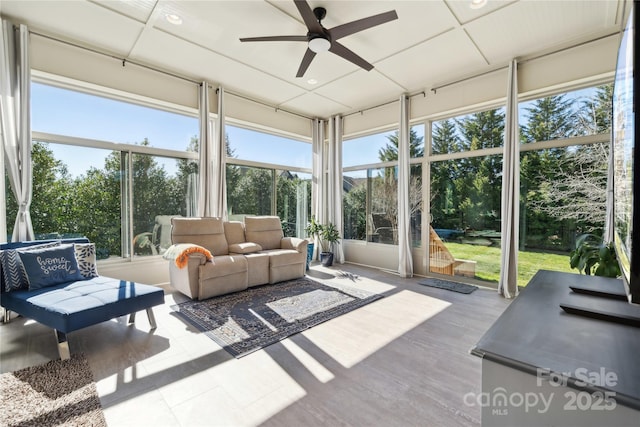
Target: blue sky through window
(66, 112)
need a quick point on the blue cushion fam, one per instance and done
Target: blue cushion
(86, 257)
(13, 275)
(72, 306)
(50, 266)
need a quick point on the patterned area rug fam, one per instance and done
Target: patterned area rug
(249, 320)
(58, 393)
(450, 286)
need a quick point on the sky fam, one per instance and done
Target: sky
(65, 112)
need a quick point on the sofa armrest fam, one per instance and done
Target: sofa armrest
(182, 254)
(295, 243)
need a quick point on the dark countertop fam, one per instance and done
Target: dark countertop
(535, 333)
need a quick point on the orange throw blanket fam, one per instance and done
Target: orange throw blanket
(179, 253)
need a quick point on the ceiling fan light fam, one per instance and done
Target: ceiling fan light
(319, 44)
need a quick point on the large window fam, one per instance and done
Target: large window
(562, 184)
(268, 175)
(464, 237)
(464, 231)
(118, 182)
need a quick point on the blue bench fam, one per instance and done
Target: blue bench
(67, 307)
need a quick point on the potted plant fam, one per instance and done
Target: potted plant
(591, 255)
(328, 236)
(312, 229)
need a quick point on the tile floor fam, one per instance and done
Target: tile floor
(403, 360)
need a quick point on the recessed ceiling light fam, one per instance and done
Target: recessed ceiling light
(174, 19)
(477, 4)
(312, 81)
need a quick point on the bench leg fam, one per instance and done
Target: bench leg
(63, 345)
(152, 318)
(7, 315)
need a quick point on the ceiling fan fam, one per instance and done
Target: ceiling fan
(320, 39)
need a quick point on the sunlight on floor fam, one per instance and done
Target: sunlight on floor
(358, 334)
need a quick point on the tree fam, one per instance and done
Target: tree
(478, 180)
(564, 189)
(354, 208)
(384, 188)
(389, 152)
(252, 195)
(51, 192)
(444, 174)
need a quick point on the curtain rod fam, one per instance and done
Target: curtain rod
(157, 70)
(276, 108)
(109, 55)
(524, 61)
(423, 93)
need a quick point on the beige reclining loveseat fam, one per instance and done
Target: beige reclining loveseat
(243, 254)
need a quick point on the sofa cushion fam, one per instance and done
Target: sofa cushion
(244, 248)
(71, 306)
(86, 257)
(207, 232)
(280, 257)
(264, 230)
(224, 275)
(14, 276)
(50, 266)
(234, 232)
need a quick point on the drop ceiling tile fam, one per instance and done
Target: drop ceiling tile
(92, 25)
(140, 10)
(218, 26)
(463, 11)
(314, 105)
(433, 61)
(361, 89)
(199, 63)
(525, 28)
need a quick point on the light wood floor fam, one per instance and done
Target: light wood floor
(401, 361)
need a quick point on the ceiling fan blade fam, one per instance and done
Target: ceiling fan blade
(308, 16)
(306, 61)
(361, 24)
(276, 39)
(349, 55)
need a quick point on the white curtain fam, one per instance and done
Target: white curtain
(206, 199)
(219, 181)
(318, 201)
(405, 260)
(212, 194)
(334, 187)
(508, 284)
(15, 123)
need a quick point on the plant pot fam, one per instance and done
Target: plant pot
(309, 254)
(326, 258)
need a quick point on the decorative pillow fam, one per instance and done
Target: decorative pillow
(50, 266)
(179, 253)
(13, 275)
(86, 257)
(244, 248)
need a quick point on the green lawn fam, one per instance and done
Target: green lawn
(488, 262)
